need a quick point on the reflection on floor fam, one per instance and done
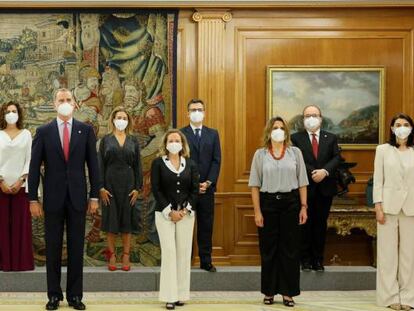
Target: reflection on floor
(201, 301)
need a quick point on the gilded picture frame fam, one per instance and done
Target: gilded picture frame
(351, 100)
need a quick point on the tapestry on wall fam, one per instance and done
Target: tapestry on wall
(106, 59)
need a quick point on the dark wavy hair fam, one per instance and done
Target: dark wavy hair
(393, 138)
(3, 111)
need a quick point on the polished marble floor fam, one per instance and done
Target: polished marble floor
(201, 301)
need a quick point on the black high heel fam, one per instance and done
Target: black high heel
(288, 303)
(170, 305)
(268, 300)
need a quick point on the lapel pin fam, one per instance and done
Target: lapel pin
(325, 135)
(79, 132)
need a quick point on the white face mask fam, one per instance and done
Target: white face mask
(174, 148)
(120, 124)
(311, 123)
(65, 109)
(196, 116)
(12, 117)
(278, 135)
(402, 132)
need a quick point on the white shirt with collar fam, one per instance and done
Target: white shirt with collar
(61, 126)
(167, 210)
(318, 132)
(196, 127)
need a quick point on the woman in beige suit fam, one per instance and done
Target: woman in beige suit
(394, 206)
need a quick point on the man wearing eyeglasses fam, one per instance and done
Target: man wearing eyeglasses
(205, 150)
(322, 156)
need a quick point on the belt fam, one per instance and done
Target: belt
(280, 195)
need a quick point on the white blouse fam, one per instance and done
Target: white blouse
(15, 156)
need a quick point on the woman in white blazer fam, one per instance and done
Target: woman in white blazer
(394, 206)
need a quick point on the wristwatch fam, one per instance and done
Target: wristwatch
(208, 183)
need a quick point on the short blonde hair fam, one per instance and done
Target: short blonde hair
(267, 139)
(185, 152)
(111, 126)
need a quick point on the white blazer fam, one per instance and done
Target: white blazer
(393, 183)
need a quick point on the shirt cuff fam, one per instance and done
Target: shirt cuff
(94, 199)
(34, 201)
(190, 209)
(166, 212)
(326, 172)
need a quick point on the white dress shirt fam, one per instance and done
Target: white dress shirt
(196, 127)
(318, 132)
(61, 126)
(15, 156)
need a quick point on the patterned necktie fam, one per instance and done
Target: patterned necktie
(66, 141)
(315, 146)
(198, 136)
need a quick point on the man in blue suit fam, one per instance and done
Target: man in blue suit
(205, 151)
(64, 146)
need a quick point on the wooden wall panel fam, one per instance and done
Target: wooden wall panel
(254, 39)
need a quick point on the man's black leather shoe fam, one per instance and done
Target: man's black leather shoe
(208, 267)
(53, 303)
(318, 267)
(306, 266)
(76, 303)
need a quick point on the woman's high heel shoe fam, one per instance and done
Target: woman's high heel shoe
(108, 255)
(268, 300)
(126, 267)
(288, 303)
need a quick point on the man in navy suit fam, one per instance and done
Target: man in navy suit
(64, 146)
(321, 154)
(205, 151)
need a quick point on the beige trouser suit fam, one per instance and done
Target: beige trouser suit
(176, 242)
(394, 188)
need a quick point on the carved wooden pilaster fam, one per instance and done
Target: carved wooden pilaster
(211, 61)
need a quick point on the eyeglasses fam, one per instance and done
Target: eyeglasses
(315, 115)
(196, 109)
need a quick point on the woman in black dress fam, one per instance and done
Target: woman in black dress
(121, 179)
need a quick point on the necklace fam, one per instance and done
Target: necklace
(282, 154)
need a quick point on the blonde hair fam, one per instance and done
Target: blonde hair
(111, 126)
(267, 139)
(185, 152)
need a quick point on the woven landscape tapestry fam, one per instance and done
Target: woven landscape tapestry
(107, 59)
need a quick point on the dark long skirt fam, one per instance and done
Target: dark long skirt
(16, 248)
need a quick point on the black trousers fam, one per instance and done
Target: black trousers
(314, 231)
(55, 221)
(279, 242)
(205, 220)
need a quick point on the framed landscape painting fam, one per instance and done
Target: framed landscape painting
(351, 100)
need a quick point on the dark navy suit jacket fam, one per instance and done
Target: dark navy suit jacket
(207, 156)
(60, 176)
(329, 158)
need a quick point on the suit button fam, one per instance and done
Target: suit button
(178, 191)
(178, 182)
(178, 175)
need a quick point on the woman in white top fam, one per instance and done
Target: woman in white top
(394, 206)
(16, 252)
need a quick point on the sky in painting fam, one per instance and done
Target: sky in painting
(338, 93)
